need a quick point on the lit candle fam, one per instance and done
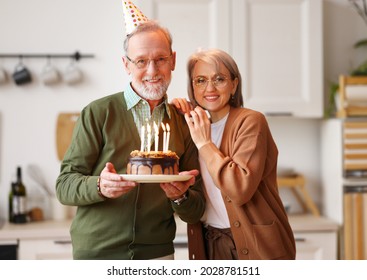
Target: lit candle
(168, 134)
(149, 137)
(142, 138)
(164, 137)
(156, 132)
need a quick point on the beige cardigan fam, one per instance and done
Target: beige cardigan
(246, 172)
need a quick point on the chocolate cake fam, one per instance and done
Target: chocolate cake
(153, 163)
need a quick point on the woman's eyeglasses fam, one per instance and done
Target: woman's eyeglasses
(219, 81)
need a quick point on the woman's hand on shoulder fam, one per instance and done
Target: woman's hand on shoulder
(182, 105)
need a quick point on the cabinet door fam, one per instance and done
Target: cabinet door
(193, 24)
(276, 43)
(316, 245)
(45, 249)
(331, 152)
(278, 46)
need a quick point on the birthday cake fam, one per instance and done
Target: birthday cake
(153, 163)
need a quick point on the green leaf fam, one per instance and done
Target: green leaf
(361, 70)
(361, 43)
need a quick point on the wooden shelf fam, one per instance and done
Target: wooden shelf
(346, 108)
(296, 184)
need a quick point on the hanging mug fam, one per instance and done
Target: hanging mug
(50, 75)
(21, 75)
(72, 74)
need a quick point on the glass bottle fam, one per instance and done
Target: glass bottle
(19, 200)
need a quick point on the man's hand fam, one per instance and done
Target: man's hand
(176, 189)
(112, 185)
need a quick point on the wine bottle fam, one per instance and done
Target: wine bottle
(19, 200)
(11, 213)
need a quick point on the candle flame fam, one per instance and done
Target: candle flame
(167, 126)
(163, 127)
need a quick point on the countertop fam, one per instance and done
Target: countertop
(60, 229)
(309, 222)
(36, 230)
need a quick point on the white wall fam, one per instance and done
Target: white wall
(28, 113)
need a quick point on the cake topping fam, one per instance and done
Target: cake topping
(153, 154)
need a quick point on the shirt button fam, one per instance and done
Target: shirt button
(244, 251)
(237, 224)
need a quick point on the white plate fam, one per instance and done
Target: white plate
(155, 178)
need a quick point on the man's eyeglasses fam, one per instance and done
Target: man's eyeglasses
(143, 63)
(219, 81)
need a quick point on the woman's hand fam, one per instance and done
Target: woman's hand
(182, 105)
(199, 125)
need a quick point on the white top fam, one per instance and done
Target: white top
(215, 212)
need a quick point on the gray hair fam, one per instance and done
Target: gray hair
(215, 57)
(148, 26)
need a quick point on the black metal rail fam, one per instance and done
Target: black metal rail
(77, 55)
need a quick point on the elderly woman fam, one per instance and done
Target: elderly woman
(244, 216)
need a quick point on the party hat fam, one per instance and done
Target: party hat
(133, 16)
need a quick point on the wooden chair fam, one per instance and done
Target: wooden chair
(352, 96)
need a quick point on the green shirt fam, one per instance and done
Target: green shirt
(141, 110)
(139, 224)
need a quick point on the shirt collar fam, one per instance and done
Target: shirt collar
(132, 99)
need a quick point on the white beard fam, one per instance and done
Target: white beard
(153, 92)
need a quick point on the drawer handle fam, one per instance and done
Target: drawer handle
(279, 114)
(62, 242)
(300, 239)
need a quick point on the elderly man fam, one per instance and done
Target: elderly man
(118, 219)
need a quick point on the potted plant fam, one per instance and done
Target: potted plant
(360, 6)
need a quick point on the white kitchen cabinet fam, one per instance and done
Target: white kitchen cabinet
(45, 249)
(279, 53)
(316, 237)
(316, 246)
(50, 240)
(40, 240)
(276, 43)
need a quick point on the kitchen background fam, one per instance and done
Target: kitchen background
(28, 113)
